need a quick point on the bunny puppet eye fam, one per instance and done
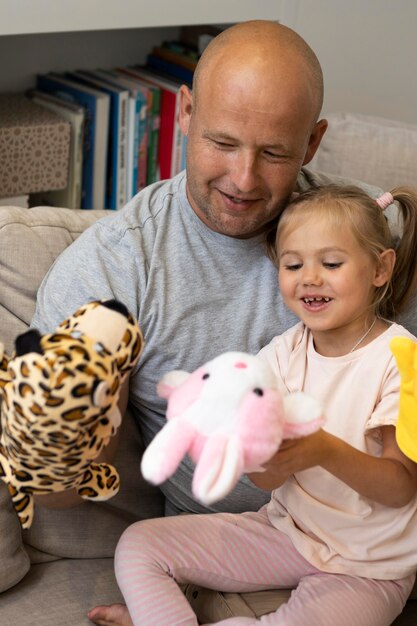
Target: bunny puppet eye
(258, 391)
(205, 376)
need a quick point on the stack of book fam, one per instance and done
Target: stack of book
(125, 129)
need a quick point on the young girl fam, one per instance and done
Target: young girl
(341, 525)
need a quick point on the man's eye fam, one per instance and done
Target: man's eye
(223, 144)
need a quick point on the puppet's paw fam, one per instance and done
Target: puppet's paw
(156, 464)
(303, 415)
(166, 451)
(100, 482)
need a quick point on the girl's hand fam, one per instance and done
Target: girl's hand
(294, 455)
(390, 479)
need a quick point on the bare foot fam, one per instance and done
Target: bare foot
(110, 615)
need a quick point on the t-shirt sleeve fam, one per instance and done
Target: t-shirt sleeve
(386, 410)
(95, 266)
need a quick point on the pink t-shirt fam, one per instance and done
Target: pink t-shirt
(330, 524)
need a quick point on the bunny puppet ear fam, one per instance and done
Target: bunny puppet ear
(218, 468)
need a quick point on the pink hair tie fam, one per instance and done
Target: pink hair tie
(385, 200)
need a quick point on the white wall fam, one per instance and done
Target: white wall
(368, 51)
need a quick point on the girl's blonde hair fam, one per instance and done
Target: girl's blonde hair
(351, 205)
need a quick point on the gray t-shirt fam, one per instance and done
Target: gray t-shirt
(196, 293)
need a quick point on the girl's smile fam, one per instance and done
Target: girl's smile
(328, 280)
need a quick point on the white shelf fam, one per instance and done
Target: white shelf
(19, 17)
(38, 36)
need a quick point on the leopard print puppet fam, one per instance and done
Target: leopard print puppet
(59, 405)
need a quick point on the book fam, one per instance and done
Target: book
(97, 109)
(116, 188)
(75, 114)
(137, 131)
(171, 68)
(170, 135)
(153, 93)
(175, 52)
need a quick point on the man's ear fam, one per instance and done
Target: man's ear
(186, 107)
(384, 268)
(315, 139)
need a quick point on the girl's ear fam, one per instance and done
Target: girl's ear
(384, 268)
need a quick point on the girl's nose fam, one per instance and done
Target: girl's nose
(311, 276)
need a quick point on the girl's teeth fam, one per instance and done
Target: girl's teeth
(307, 300)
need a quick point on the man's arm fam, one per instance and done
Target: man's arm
(70, 498)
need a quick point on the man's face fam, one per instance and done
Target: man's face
(245, 148)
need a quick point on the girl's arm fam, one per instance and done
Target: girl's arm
(390, 479)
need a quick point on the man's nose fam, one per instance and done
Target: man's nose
(244, 171)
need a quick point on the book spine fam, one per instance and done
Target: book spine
(131, 141)
(166, 133)
(49, 85)
(172, 69)
(153, 131)
(142, 147)
(176, 159)
(122, 151)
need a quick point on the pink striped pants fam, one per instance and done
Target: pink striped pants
(241, 552)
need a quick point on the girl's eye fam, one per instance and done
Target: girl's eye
(332, 266)
(293, 267)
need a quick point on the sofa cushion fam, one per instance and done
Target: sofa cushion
(13, 557)
(60, 594)
(31, 239)
(375, 150)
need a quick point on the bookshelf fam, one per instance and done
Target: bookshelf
(41, 36)
(44, 35)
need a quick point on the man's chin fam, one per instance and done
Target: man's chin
(238, 228)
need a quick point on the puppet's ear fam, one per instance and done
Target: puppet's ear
(404, 350)
(218, 469)
(27, 342)
(171, 381)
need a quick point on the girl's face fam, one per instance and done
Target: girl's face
(326, 278)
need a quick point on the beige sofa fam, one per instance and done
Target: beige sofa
(51, 574)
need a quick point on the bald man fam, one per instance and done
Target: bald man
(187, 255)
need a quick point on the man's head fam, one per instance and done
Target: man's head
(251, 123)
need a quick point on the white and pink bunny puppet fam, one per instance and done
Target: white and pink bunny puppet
(230, 418)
